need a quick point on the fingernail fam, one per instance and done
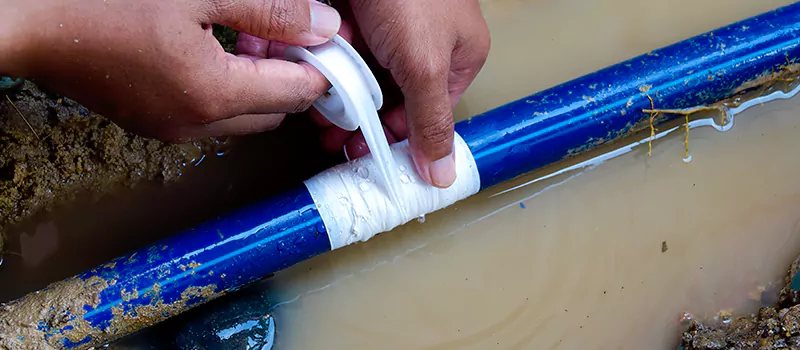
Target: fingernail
(443, 172)
(325, 20)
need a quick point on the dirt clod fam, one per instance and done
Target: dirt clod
(776, 327)
(53, 149)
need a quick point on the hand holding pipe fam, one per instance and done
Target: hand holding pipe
(223, 255)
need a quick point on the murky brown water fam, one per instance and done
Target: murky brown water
(91, 231)
(581, 265)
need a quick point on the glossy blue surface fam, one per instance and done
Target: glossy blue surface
(557, 123)
(219, 256)
(232, 251)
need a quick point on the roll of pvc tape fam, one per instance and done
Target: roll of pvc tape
(352, 208)
(353, 102)
(349, 75)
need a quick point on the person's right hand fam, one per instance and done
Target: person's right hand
(154, 67)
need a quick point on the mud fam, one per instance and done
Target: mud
(48, 320)
(775, 327)
(52, 149)
(62, 310)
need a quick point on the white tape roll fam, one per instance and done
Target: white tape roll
(351, 203)
(353, 102)
(352, 83)
(354, 210)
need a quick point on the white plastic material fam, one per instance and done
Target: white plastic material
(349, 76)
(352, 102)
(353, 210)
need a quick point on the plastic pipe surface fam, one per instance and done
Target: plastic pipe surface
(154, 283)
(598, 108)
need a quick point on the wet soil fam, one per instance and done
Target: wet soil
(774, 327)
(52, 149)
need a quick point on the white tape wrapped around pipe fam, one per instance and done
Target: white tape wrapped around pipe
(354, 207)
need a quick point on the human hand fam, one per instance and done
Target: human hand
(154, 67)
(432, 51)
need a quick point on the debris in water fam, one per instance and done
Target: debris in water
(652, 128)
(664, 247)
(686, 156)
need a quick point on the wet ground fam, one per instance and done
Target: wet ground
(52, 150)
(772, 327)
(76, 190)
(615, 257)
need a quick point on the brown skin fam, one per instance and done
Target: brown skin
(154, 68)
(432, 51)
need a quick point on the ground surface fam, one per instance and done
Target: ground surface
(775, 327)
(53, 149)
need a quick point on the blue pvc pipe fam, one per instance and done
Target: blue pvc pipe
(222, 255)
(554, 124)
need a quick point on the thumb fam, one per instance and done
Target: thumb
(430, 123)
(295, 22)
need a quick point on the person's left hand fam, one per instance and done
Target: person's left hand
(426, 54)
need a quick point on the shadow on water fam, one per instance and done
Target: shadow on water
(90, 231)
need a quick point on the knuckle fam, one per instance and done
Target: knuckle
(262, 18)
(301, 105)
(389, 39)
(437, 132)
(207, 105)
(303, 95)
(436, 138)
(206, 112)
(216, 7)
(483, 46)
(306, 100)
(282, 15)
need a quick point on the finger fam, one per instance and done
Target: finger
(395, 121)
(319, 119)
(250, 45)
(276, 49)
(239, 125)
(347, 32)
(334, 139)
(263, 86)
(469, 57)
(296, 22)
(356, 146)
(430, 120)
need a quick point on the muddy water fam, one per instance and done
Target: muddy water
(90, 231)
(606, 258)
